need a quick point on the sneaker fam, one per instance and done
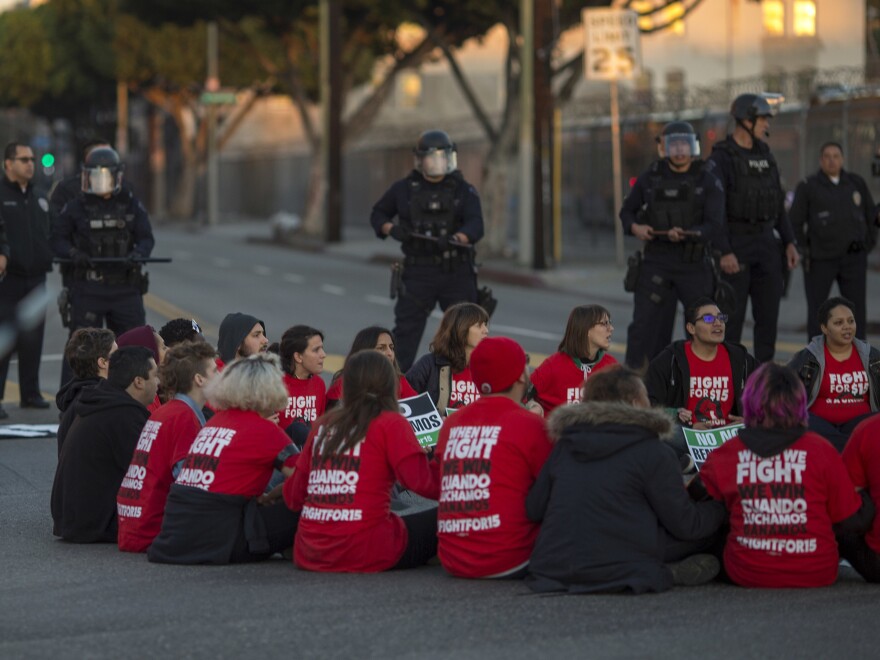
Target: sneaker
(3, 413)
(696, 569)
(36, 402)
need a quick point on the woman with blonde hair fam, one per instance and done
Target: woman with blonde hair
(344, 477)
(444, 373)
(216, 512)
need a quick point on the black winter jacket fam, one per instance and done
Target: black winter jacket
(65, 399)
(202, 528)
(424, 376)
(609, 497)
(93, 462)
(669, 373)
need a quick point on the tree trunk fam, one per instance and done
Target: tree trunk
(498, 172)
(313, 222)
(184, 196)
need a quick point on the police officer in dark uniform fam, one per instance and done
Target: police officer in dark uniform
(104, 221)
(751, 255)
(833, 216)
(675, 208)
(26, 260)
(439, 221)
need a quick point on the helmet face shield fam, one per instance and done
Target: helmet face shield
(436, 162)
(99, 181)
(680, 145)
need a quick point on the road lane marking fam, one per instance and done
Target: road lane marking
(379, 300)
(293, 278)
(333, 290)
(263, 271)
(221, 262)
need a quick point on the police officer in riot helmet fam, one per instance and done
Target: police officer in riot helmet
(674, 208)
(756, 242)
(439, 220)
(104, 231)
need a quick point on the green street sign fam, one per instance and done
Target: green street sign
(217, 98)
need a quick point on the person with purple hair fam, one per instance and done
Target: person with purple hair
(786, 489)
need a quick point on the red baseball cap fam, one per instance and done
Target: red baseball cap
(496, 363)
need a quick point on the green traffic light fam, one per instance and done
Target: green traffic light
(48, 160)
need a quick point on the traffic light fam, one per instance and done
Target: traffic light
(48, 160)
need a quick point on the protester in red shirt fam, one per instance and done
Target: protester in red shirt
(444, 373)
(343, 481)
(216, 512)
(488, 455)
(582, 351)
(785, 487)
(841, 374)
(302, 360)
(862, 459)
(188, 369)
(379, 339)
(240, 336)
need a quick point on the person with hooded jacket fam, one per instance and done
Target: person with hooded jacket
(840, 373)
(99, 447)
(240, 335)
(787, 490)
(611, 502)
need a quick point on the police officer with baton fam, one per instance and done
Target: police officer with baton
(105, 233)
(439, 221)
(674, 208)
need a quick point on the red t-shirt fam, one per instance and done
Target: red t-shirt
(843, 392)
(404, 390)
(153, 407)
(140, 503)
(710, 392)
(488, 455)
(346, 524)
(559, 380)
(234, 454)
(463, 390)
(862, 459)
(306, 400)
(781, 511)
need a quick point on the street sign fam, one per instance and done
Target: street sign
(612, 48)
(218, 98)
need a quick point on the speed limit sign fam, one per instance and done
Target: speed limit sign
(612, 50)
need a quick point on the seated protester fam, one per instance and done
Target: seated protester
(240, 335)
(613, 510)
(841, 374)
(494, 540)
(445, 373)
(88, 354)
(379, 339)
(343, 481)
(785, 488)
(147, 337)
(188, 369)
(180, 330)
(862, 459)
(302, 360)
(216, 512)
(582, 351)
(702, 377)
(99, 446)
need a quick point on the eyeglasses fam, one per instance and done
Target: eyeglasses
(25, 159)
(711, 318)
(605, 324)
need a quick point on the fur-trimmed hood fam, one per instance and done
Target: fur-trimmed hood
(598, 429)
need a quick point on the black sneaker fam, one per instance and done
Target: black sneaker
(3, 413)
(696, 569)
(37, 402)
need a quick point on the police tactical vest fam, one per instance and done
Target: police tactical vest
(111, 227)
(675, 201)
(756, 196)
(433, 207)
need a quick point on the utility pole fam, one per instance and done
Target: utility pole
(212, 84)
(331, 105)
(543, 116)
(526, 132)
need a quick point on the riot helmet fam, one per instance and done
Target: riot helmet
(679, 140)
(102, 172)
(748, 107)
(435, 154)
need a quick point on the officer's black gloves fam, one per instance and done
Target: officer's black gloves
(443, 243)
(132, 259)
(399, 233)
(80, 259)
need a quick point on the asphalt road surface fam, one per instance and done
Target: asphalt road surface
(66, 601)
